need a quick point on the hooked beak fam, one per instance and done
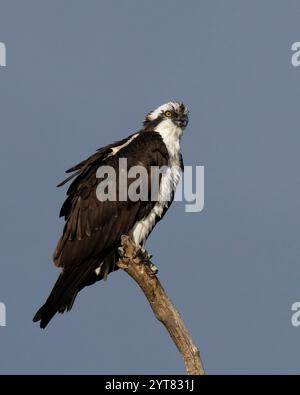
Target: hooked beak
(182, 122)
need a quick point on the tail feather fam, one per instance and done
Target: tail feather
(63, 293)
(68, 284)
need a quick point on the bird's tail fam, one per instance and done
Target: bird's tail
(66, 288)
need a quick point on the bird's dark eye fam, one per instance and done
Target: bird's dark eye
(168, 114)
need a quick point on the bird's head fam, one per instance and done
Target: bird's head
(173, 112)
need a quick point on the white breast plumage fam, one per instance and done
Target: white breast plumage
(171, 135)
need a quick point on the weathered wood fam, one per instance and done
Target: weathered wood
(163, 308)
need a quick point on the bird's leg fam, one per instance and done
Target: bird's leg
(144, 255)
(130, 249)
(121, 252)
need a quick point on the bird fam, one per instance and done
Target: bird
(89, 246)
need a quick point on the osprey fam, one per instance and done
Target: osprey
(88, 248)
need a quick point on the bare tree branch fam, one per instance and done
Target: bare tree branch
(133, 263)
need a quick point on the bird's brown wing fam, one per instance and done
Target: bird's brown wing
(94, 227)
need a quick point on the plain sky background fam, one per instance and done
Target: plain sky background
(81, 74)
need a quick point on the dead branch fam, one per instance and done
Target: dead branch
(134, 264)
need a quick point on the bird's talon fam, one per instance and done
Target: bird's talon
(121, 251)
(153, 268)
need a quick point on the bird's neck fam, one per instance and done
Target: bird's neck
(171, 135)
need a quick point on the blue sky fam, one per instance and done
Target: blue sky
(80, 75)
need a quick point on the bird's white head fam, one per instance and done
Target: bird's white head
(169, 114)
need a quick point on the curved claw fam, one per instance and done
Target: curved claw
(153, 268)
